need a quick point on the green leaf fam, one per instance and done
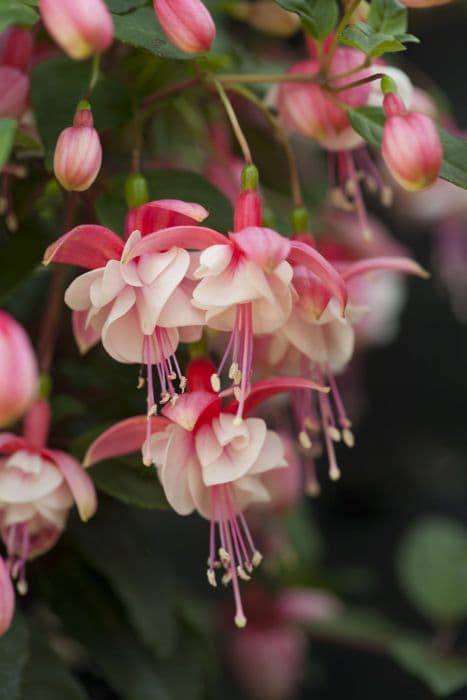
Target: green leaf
(319, 17)
(388, 16)
(56, 88)
(130, 482)
(168, 184)
(136, 573)
(442, 675)
(369, 122)
(123, 6)
(7, 138)
(45, 677)
(361, 36)
(14, 650)
(141, 29)
(432, 568)
(16, 12)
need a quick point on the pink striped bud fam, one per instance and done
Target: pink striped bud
(81, 28)
(14, 93)
(16, 48)
(78, 153)
(7, 598)
(187, 24)
(411, 147)
(18, 370)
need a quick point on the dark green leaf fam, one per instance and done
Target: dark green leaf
(120, 7)
(318, 16)
(442, 675)
(130, 482)
(16, 12)
(14, 650)
(136, 573)
(7, 137)
(45, 677)
(59, 84)
(432, 568)
(169, 184)
(388, 16)
(141, 29)
(369, 122)
(21, 252)
(361, 36)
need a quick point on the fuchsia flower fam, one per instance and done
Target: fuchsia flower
(320, 341)
(19, 374)
(268, 658)
(38, 486)
(15, 92)
(411, 147)
(78, 153)
(16, 47)
(80, 28)
(186, 23)
(207, 462)
(7, 598)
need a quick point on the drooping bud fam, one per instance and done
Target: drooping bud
(14, 92)
(17, 46)
(81, 29)
(7, 598)
(18, 370)
(187, 24)
(78, 153)
(411, 147)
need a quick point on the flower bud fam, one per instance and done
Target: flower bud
(16, 48)
(18, 370)
(78, 153)
(266, 16)
(411, 147)
(14, 92)
(7, 598)
(187, 24)
(81, 28)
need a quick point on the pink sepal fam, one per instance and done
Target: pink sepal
(88, 246)
(167, 213)
(395, 264)
(303, 254)
(266, 388)
(36, 423)
(123, 438)
(85, 335)
(190, 237)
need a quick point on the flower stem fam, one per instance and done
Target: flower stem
(240, 136)
(51, 319)
(356, 83)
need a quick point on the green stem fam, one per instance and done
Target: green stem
(265, 78)
(340, 28)
(240, 136)
(96, 62)
(356, 83)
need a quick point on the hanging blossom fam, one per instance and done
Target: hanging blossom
(137, 303)
(38, 487)
(319, 341)
(208, 462)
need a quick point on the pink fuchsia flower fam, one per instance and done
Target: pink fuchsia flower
(15, 92)
(324, 342)
(308, 110)
(7, 598)
(16, 47)
(208, 463)
(38, 486)
(78, 153)
(18, 370)
(81, 28)
(187, 24)
(268, 658)
(411, 147)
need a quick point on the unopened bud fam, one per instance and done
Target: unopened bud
(14, 92)
(411, 147)
(80, 28)
(187, 24)
(78, 153)
(18, 370)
